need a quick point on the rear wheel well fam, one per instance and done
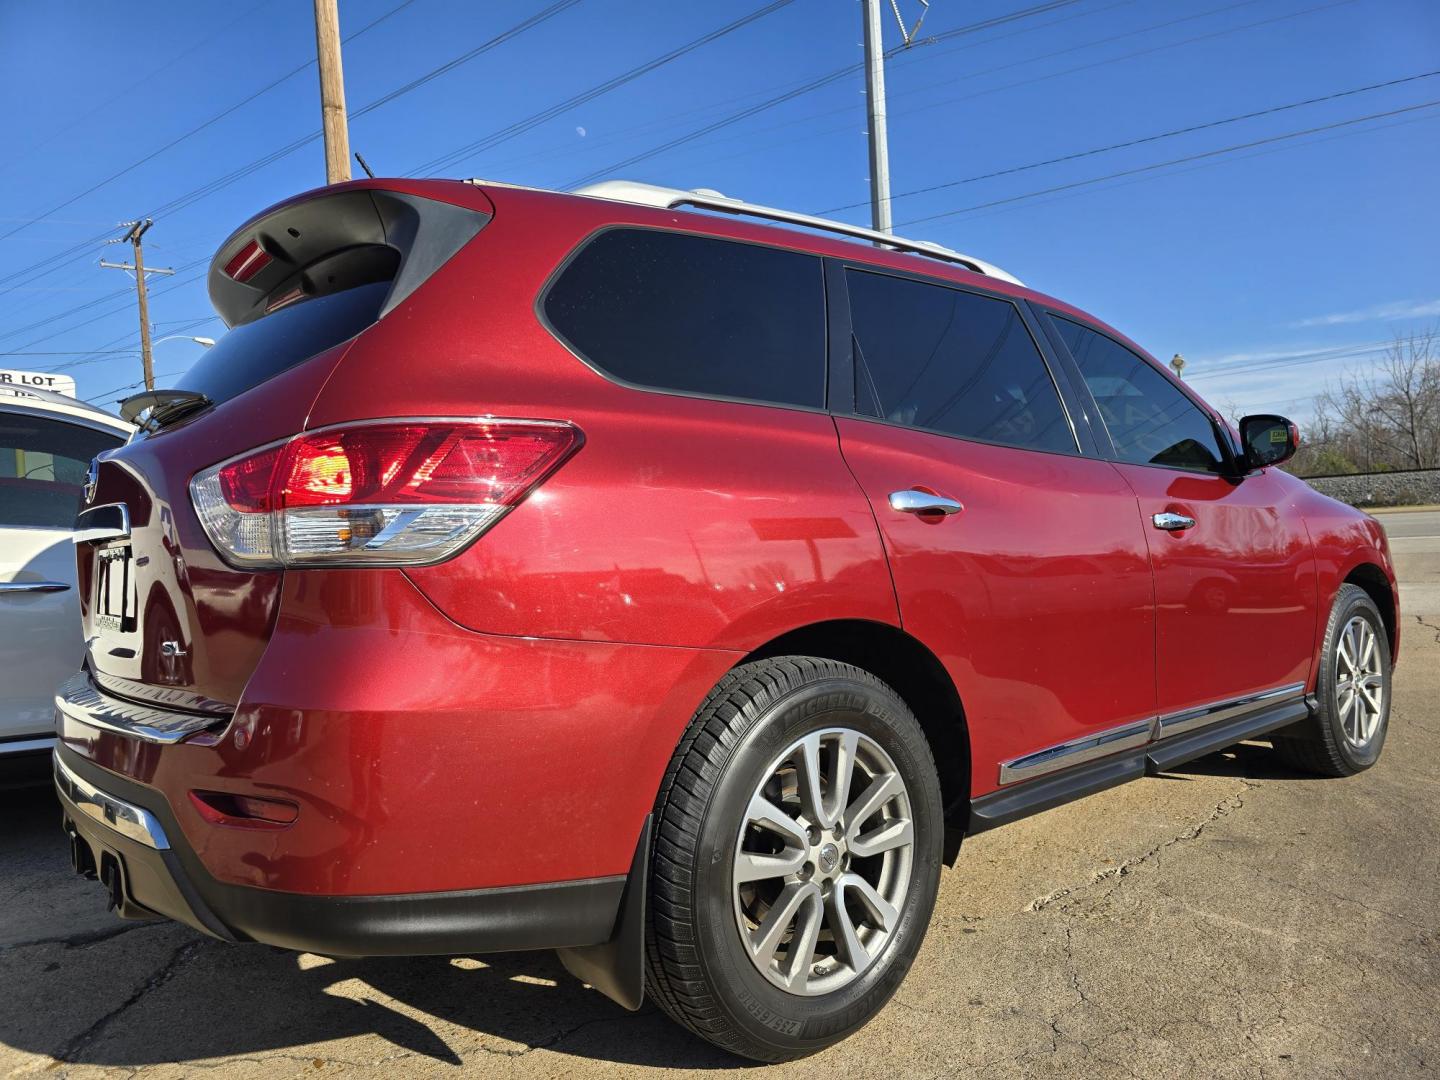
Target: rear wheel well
(916, 674)
(1373, 580)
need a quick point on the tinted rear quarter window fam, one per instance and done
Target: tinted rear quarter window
(1149, 420)
(42, 469)
(955, 362)
(695, 314)
(256, 351)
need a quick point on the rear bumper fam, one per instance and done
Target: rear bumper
(124, 835)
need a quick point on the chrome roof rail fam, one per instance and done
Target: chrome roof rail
(633, 191)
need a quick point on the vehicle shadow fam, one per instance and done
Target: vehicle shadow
(108, 993)
(1247, 760)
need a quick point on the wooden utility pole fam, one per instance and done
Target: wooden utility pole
(332, 92)
(137, 229)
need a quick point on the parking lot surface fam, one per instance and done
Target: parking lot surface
(1233, 919)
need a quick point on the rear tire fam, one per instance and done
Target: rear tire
(783, 915)
(1347, 733)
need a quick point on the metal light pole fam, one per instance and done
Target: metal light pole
(875, 107)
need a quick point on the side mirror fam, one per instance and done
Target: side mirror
(1268, 440)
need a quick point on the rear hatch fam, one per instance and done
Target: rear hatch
(166, 619)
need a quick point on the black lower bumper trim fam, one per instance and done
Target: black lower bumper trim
(145, 882)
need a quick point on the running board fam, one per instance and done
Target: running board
(1021, 800)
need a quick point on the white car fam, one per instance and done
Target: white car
(47, 442)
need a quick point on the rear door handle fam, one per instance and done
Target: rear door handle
(1173, 522)
(923, 502)
(32, 586)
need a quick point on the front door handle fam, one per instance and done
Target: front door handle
(1173, 522)
(32, 586)
(923, 502)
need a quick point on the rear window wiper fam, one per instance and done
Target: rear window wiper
(154, 409)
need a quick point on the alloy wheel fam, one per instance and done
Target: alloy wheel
(822, 863)
(1359, 682)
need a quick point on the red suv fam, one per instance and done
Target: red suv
(530, 570)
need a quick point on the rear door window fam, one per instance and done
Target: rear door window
(1149, 420)
(256, 351)
(955, 362)
(694, 314)
(43, 463)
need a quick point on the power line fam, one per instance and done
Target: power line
(810, 87)
(1106, 62)
(1175, 161)
(519, 127)
(208, 123)
(1149, 138)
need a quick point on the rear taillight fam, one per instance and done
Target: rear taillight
(390, 492)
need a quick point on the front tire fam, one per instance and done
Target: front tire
(1347, 733)
(796, 861)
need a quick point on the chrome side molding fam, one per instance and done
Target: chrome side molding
(1203, 715)
(1130, 736)
(134, 822)
(1140, 733)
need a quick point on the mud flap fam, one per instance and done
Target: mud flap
(617, 967)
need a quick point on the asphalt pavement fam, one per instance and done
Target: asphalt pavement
(1232, 919)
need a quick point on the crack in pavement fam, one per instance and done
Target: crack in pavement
(82, 940)
(161, 976)
(1429, 626)
(565, 1033)
(1233, 803)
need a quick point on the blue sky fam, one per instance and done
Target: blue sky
(1273, 269)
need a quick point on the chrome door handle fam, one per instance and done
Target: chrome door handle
(922, 502)
(1173, 522)
(32, 586)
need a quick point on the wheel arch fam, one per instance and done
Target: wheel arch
(908, 667)
(1376, 584)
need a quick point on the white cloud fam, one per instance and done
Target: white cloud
(1399, 309)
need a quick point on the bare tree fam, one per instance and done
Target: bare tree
(1384, 419)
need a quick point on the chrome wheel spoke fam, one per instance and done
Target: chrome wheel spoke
(801, 953)
(750, 866)
(891, 834)
(848, 945)
(881, 912)
(765, 940)
(767, 815)
(881, 790)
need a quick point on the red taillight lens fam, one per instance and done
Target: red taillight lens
(247, 262)
(395, 491)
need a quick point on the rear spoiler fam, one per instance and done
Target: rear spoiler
(336, 239)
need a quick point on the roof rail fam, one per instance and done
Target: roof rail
(633, 191)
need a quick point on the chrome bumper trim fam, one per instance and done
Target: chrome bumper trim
(1130, 736)
(79, 700)
(133, 822)
(1189, 719)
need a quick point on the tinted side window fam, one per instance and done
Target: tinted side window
(256, 351)
(1149, 420)
(42, 469)
(954, 362)
(678, 312)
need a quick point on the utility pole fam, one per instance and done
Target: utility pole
(332, 92)
(875, 108)
(137, 229)
(875, 103)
